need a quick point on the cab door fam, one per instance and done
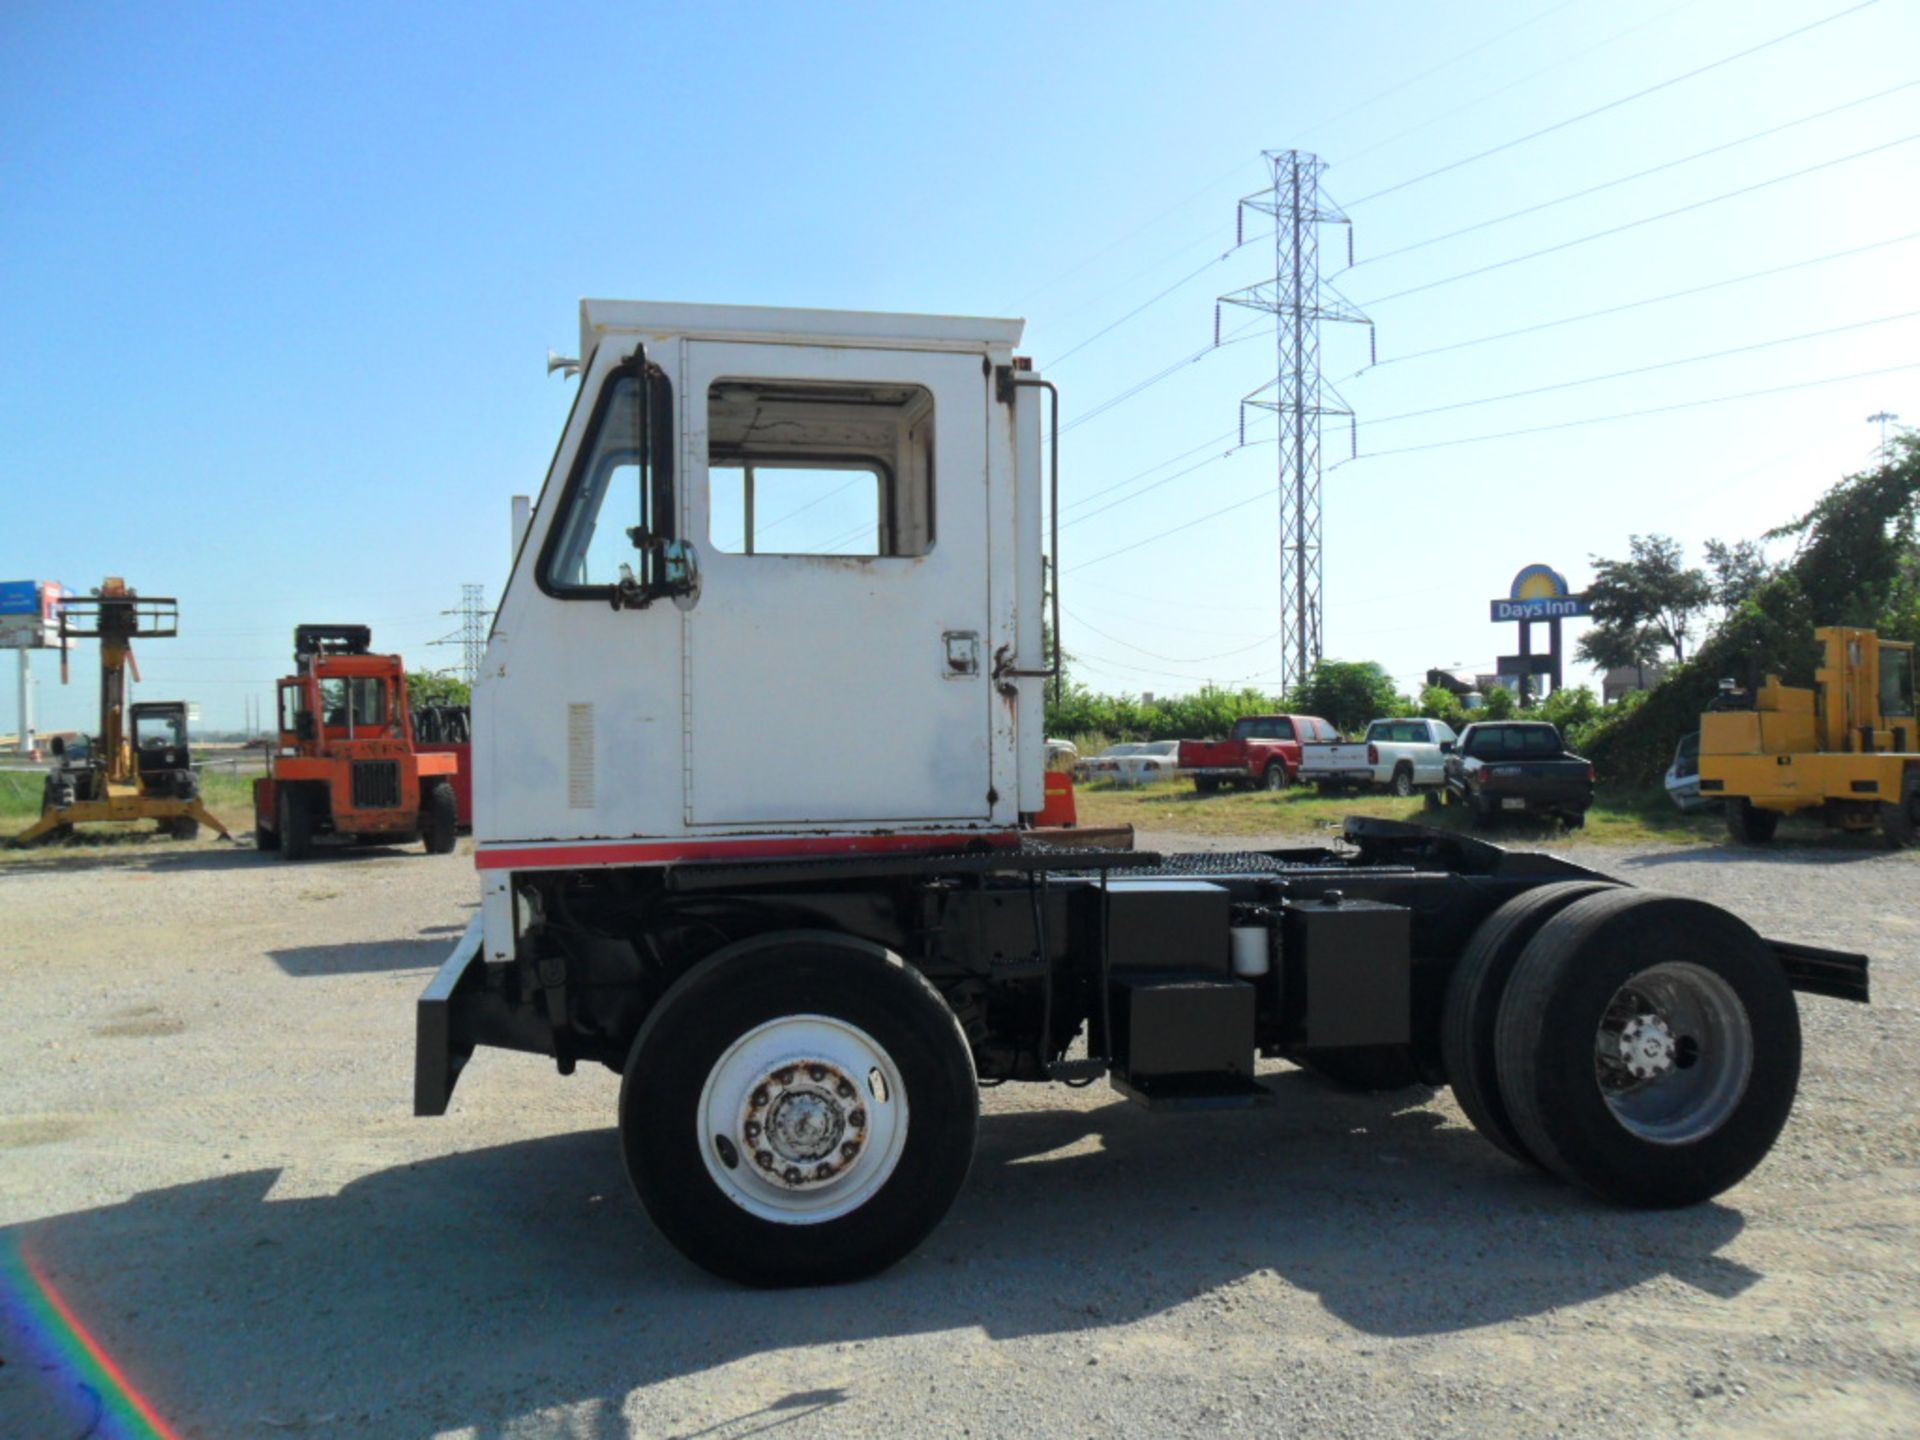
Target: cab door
(837, 659)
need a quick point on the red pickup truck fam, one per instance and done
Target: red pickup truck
(1263, 750)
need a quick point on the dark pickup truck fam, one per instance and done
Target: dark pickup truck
(1518, 767)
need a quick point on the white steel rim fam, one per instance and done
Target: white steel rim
(803, 1119)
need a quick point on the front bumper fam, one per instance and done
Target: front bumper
(441, 1047)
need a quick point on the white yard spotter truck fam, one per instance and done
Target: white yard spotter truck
(805, 973)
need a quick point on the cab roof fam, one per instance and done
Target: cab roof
(600, 318)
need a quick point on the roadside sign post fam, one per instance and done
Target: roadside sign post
(29, 621)
(1539, 593)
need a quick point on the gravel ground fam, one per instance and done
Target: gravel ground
(206, 1146)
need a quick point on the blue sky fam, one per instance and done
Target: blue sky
(278, 283)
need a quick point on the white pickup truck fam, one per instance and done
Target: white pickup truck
(1398, 755)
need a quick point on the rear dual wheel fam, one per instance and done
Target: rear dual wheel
(1645, 1047)
(799, 1110)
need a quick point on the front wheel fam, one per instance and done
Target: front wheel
(294, 811)
(799, 1110)
(1748, 825)
(439, 820)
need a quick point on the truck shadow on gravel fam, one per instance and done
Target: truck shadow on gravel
(475, 1287)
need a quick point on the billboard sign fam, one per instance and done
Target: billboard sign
(1539, 592)
(29, 614)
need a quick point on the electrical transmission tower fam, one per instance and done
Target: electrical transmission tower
(471, 637)
(1299, 300)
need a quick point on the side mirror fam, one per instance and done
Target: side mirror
(1446, 747)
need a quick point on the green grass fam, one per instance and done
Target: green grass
(1631, 818)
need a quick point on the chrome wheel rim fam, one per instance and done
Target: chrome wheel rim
(803, 1119)
(1674, 1053)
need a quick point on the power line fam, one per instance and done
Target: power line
(1644, 220)
(1234, 337)
(1428, 122)
(1144, 305)
(1175, 659)
(1907, 238)
(1642, 369)
(1436, 69)
(1616, 104)
(1142, 474)
(1653, 410)
(1166, 480)
(1637, 175)
(1315, 128)
(1511, 434)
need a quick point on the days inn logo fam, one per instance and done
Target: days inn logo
(1539, 592)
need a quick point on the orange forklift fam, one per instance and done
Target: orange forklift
(345, 770)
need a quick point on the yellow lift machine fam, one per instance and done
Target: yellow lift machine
(140, 766)
(1844, 749)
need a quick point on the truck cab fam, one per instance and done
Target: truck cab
(817, 526)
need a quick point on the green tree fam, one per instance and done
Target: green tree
(1439, 703)
(1652, 589)
(1856, 562)
(1500, 705)
(1349, 693)
(1738, 570)
(438, 687)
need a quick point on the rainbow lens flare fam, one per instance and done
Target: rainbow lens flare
(68, 1349)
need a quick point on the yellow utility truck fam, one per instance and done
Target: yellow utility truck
(1845, 748)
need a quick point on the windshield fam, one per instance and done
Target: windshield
(1896, 682)
(1513, 742)
(159, 732)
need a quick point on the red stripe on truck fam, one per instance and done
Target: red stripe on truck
(660, 852)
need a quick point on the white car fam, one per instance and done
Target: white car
(1134, 763)
(1062, 755)
(1683, 776)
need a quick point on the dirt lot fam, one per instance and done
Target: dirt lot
(206, 1151)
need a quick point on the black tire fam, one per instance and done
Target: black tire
(1434, 799)
(1402, 784)
(1206, 784)
(1367, 1068)
(1747, 825)
(439, 819)
(720, 1005)
(1485, 816)
(1275, 776)
(293, 810)
(1472, 1008)
(1900, 823)
(265, 840)
(1567, 979)
(184, 827)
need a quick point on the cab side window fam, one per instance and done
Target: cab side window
(618, 497)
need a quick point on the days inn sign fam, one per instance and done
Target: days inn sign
(1539, 592)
